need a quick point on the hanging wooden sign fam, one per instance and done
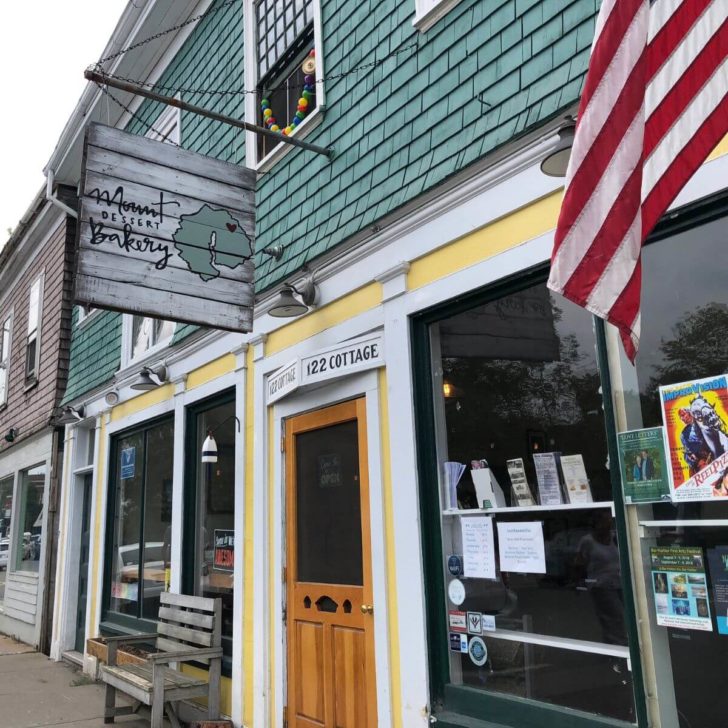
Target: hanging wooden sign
(164, 232)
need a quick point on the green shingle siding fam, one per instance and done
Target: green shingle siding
(212, 57)
(417, 117)
(400, 128)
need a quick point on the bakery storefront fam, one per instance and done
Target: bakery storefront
(546, 567)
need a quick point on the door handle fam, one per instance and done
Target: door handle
(367, 609)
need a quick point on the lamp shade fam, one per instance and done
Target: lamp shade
(287, 305)
(209, 450)
(557, 162)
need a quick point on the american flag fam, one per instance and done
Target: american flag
(654, 105)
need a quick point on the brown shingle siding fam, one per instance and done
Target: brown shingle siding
(30, 406)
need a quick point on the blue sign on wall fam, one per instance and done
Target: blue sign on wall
(128, 462)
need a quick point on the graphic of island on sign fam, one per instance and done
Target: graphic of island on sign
(211, 238)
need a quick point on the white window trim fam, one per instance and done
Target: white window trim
(127, 345)
(5, 369)
(30, 380)
(251, 82)
(85, 313)
(170, 120)
(428, 12)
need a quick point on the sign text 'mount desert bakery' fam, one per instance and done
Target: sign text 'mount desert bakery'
(165, 232)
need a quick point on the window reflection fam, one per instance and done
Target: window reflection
(214, 535)
(142, 520)
(517, 385)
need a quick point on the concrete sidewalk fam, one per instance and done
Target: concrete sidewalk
(35, 691)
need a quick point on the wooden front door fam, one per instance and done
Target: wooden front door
(330, 623)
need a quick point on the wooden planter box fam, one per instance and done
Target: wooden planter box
(125, 655)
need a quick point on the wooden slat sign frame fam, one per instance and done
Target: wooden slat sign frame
(164, 232)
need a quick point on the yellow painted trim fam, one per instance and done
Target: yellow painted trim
(324, 318)
(395, 680)
(525, 224)
(273, 564)
(148, 399)
(720, 150)
(248, 545)
(99, 471)
(212, 370)
(226, 688)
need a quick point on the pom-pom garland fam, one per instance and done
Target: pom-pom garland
(302, 107)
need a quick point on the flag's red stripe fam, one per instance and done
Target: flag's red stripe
(607, 45)
(607, 241)
(625, 309)
(692, 155)
(683, 92)
(671, 34)
(600, 154)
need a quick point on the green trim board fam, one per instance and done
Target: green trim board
(462, 704)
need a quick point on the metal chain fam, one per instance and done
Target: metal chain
(163, 137)
(162, 33)
(237, 92)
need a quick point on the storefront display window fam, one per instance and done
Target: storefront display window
(532, 581)
(684, 545)
(29, 536)
(140, 524)
(6, 510)
(210, 536)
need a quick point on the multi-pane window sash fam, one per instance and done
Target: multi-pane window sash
(31, 348)
(4, 359)
(280, 24)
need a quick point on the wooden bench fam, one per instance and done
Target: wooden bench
(188, 631)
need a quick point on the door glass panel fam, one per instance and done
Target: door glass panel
(328, 505)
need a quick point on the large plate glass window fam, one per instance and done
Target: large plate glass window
(29, 534)
(533, 605)
(6, 512)
(684, 338)
(140, 517)
(210, 535)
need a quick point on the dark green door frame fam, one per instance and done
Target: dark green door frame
(458, 705)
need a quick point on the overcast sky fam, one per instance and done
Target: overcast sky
(44, 47)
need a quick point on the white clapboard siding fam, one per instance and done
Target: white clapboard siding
(21, 596)
(127, 256)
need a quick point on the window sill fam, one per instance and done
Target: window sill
(30, 384)
(424, 21)
(280, 151)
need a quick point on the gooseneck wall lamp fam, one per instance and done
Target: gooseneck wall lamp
(11, 434)
(556, 162)
(150, 378)
(288, 305)
(70, 415)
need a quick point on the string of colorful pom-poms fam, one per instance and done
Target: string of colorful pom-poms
(302, 107)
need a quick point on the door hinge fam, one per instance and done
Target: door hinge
(283, 442)
(285, 717)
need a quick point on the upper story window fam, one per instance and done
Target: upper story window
(428, 12)
(283, 65)
(143, 334)
(32, 347)
(5, 334)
